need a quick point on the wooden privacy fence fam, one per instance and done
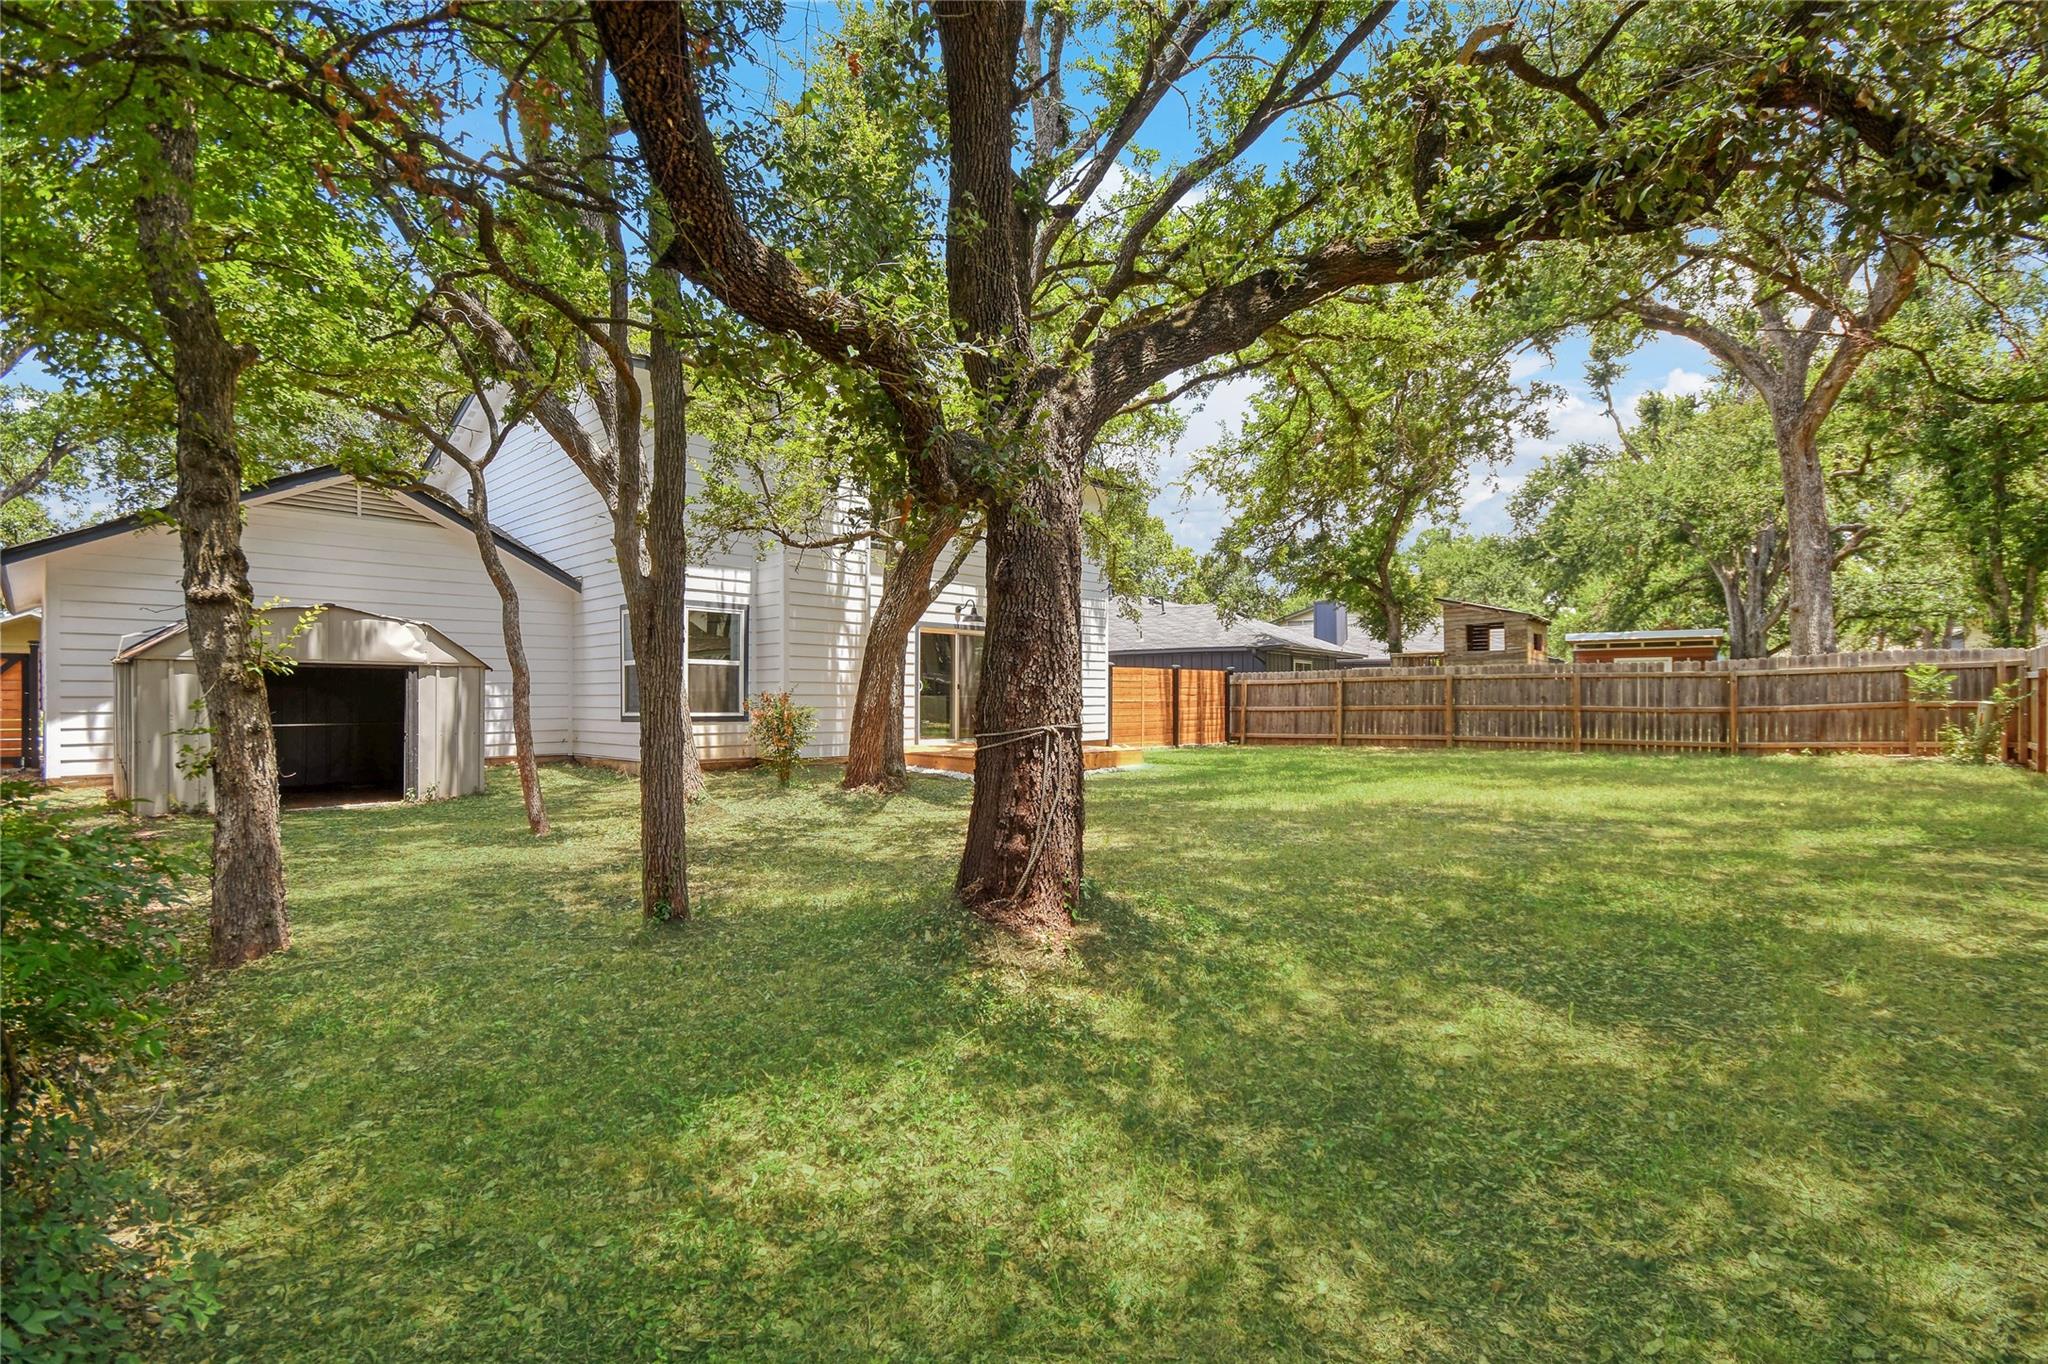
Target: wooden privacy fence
(1158, 707)
(19, 732)
(1851, 702)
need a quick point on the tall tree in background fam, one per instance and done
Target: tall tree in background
(1366, 430)
(1794, 324)
(1060, 320)
(549, 216)
(435, 424)
(1963, 396)
(1682, 519)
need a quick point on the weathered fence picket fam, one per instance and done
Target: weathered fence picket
(1827, 703)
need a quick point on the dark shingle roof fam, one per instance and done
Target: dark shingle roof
(1423, 637)
(1177, 627)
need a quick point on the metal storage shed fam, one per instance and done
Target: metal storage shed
(377, 707)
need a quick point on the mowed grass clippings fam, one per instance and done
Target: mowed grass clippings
(1365, 1055)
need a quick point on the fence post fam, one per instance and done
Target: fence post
(2007, 739)
(1176, 706)
(2041, 725)
(1734, 713)
(1578, 720)
(1339, 684)
(1450, 710)
(1912, 719)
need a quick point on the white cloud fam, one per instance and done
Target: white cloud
(1685, 383)
(1192, 510)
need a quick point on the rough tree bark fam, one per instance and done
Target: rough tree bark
(1021, 868)
(670, 775)
(248, 918)
(911, 582)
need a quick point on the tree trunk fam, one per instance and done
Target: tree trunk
(1745, 627)
(1810, 565)
(874, 747)
(248, 918)
(2030, 607)
(1021, 868)
(670, 775)
(515, 654)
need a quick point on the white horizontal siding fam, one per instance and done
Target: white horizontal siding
(808, 611)
(543, 500)
(410, 568)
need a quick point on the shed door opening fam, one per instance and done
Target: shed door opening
(340, 731)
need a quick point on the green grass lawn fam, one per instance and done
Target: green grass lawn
(1367, 1056)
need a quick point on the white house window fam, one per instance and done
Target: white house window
(629, 671)
(717, 657)
(717, 653)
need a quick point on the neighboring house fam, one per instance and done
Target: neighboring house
(1616, 646)
(1466, 632)
(415, 605)
(1331, 622)
(1176, 635)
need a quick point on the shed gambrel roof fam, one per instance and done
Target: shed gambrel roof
(1180, 627)
(336, 634)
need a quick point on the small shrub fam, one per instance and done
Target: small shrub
(1928, 684)
(1980, 737)
(88, 944)
(780, 728)
(91, 1270)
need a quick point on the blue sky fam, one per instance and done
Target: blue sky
(1193, 512)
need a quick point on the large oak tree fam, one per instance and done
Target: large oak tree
(1335, 153)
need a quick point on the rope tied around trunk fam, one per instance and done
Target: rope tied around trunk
(1045, 734)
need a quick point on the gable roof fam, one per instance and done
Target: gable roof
(434, 503)
(1182, 627)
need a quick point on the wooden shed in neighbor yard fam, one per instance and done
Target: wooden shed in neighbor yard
(1622, 646)
(1481, 632)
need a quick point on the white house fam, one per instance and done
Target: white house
(385, 707)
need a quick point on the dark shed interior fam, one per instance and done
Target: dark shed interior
(340, 730)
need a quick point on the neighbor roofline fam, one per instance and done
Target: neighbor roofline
(1648, 636)
(1493, 606)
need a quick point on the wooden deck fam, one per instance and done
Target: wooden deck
(959, 757)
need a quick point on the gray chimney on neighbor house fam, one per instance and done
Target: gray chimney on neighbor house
(1332, 623)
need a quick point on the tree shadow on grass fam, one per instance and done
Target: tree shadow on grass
(1345, 1072)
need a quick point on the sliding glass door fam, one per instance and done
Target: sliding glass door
(948, 678)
